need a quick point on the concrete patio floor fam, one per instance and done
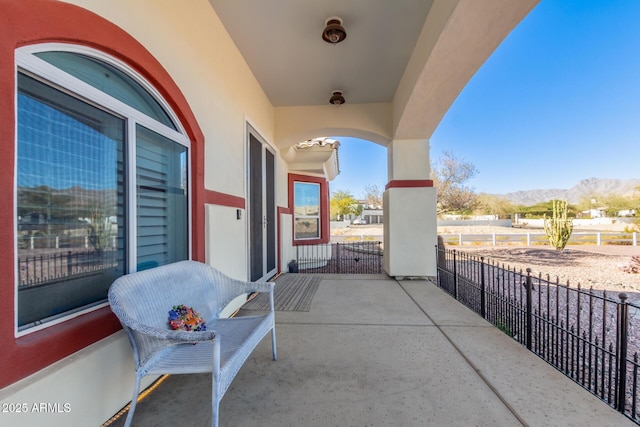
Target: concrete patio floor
(373, 351)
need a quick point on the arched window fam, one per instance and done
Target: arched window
(101, 176)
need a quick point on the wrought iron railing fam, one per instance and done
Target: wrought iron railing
(358, 257)
(44, 268)
(591, 336)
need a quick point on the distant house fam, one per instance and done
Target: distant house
(593, 213)
(371, 214)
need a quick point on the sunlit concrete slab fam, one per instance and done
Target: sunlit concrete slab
(424, 360)
(439, 306)
(355, 299)
(538, 393)
(334, 375)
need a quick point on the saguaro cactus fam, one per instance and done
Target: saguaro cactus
(558, 228)
(99, 231)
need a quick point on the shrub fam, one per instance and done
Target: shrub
(634, 265)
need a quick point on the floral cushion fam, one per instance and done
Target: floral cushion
(186, 318)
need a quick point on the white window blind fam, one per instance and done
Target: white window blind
(161, 199)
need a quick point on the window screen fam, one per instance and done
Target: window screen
(101, 191)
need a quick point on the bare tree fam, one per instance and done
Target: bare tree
(449, 176)
(489, 204)
(373, 195)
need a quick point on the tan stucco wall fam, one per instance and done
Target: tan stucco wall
(287, 252)
(367, 121)
(408, 159)
(410, 218)
(457, 38)
(404, 254)
(85, 389)
(194, 47)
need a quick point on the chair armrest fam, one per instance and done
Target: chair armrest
(242, 287)
(232, 288)
(259, 287)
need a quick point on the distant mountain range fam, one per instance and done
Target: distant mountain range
(591, 188)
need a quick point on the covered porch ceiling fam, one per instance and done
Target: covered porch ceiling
(400, 67)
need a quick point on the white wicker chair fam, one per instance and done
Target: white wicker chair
(142, 300)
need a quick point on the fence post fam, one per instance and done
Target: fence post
(635, 239)
(483, 311)
(623, 333)
(529, 310)
(460, 239)
(493, 239)
(528, 239)
(455, 276)
(69, 264)
(598, 239)
(438, 263)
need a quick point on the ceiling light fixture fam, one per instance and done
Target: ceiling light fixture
(336, 98)
(334, 31)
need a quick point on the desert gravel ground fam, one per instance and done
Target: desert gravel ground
(594, 266)
(589, 268)
(590, 265)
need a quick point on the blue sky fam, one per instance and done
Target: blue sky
(557, 102)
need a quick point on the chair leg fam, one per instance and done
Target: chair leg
(215, 386)
(216, 406)
(273, 343)
(134, 401)
(273, 327)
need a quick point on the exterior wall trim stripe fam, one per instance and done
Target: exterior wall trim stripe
(409, 183)
(222, 199)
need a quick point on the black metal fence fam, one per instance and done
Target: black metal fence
(591, 336)
(362, 257)
(46, 267)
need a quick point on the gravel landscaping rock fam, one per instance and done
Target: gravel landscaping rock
(589, 269)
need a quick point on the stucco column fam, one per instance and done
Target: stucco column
(410, 229)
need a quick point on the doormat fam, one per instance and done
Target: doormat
(292, 292)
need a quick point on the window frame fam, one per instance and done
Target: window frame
(318, 216)
(324, 236)
(27, 63)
